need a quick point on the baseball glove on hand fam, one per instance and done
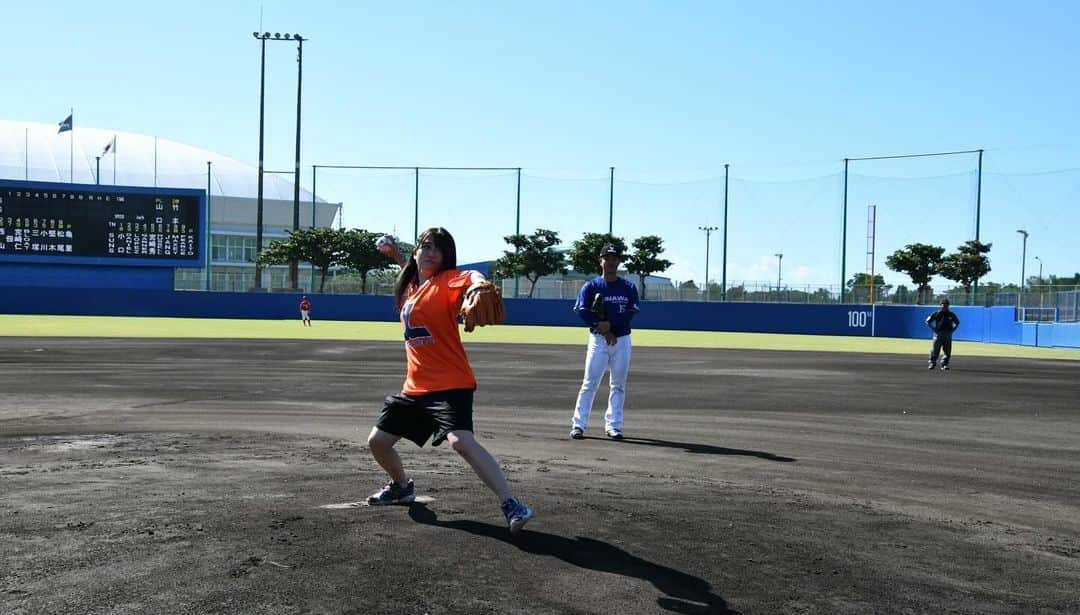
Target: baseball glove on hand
(483, 305)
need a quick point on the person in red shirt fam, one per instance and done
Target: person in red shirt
(305, 311)
(436, 400)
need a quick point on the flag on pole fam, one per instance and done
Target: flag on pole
(66, 124)
(110, 147)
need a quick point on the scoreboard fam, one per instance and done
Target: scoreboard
(103, 225)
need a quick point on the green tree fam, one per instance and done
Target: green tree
(359, 254)
(920, 262)
(712, 291)
(534, 257)
(687, 289)
(997, 287)
(1053, 280)
(584, 255)
(991, 290)
(645, 259)
(319, 246)
(967, 264)
(859, 285)
(902, 294)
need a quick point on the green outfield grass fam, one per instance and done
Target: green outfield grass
(214, 328)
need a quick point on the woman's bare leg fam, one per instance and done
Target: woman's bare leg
(485, 466)
(382, 449)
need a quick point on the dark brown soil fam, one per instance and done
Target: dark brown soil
(158, 476)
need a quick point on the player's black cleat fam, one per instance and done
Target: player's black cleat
(944, 368)
(577, 433)
(614, 434)
(393, 493)
(931, 365)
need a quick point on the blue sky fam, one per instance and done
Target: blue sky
(666, 92)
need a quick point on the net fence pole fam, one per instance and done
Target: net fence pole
(723, 259)
(978, 213)
(517, 227)
(611, 201)
(843, 234)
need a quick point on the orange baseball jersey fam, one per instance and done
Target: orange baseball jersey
(436, 359)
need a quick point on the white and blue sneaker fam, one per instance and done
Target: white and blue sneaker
(517, 514)
(393, 493)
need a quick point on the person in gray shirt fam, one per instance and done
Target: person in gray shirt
(942, 322)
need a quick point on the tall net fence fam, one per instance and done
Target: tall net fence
(784, 235)
(1047, 205)
(743, 239)
(1068, 306)
(798, 219)
(780, 240)
(932, 199)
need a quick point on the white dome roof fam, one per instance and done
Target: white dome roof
(34, 151)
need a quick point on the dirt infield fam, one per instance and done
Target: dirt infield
(158, 476)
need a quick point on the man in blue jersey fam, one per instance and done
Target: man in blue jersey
(606, 303)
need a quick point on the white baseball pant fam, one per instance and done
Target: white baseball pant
(600, 358)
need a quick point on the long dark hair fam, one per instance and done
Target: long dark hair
(410, 273)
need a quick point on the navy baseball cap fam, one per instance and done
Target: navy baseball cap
(610, 250)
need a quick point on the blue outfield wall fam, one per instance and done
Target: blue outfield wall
(97, 277)
(978, 324)
(190, 304)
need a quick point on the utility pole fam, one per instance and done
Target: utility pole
(779, 273)
(708, 231)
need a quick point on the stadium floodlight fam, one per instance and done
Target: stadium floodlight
(293, 265)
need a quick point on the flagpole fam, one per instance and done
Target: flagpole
(26, 155)
(71, 142)
(155, 161)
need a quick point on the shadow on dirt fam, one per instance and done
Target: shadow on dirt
(684, 593)
(701, 449)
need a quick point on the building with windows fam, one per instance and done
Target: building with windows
(38, 152)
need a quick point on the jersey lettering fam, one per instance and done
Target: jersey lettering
(414, 336)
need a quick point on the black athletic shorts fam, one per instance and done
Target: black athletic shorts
(427, 416)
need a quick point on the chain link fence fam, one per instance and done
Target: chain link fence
(1042, 303)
